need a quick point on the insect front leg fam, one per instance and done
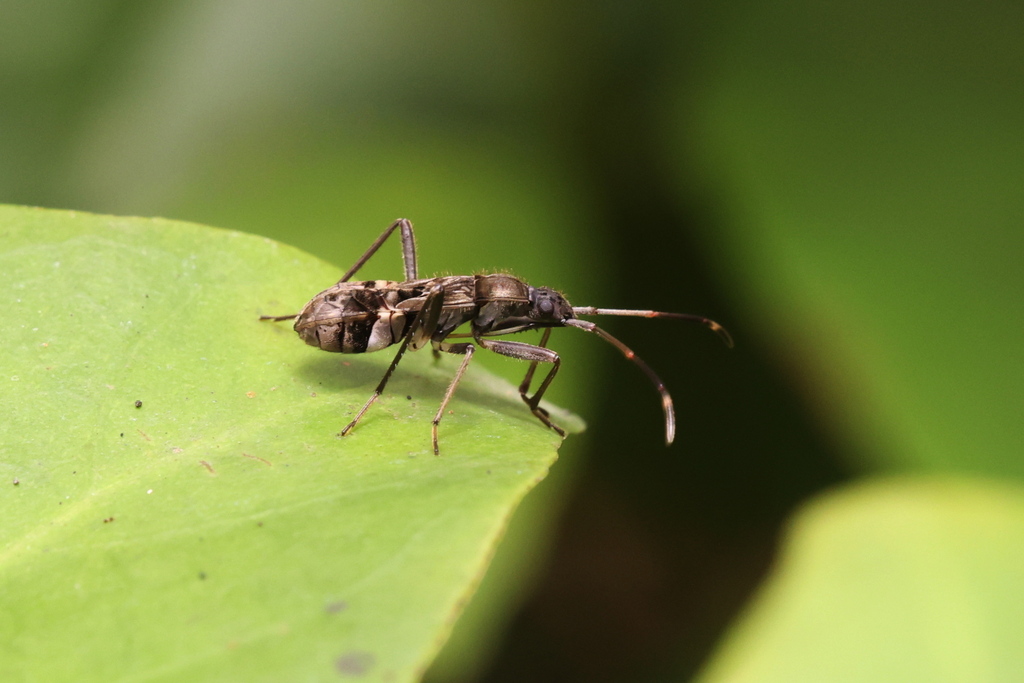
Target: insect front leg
(408, 250)
(524, 386)
(534, 354)
(419, 332)
(466, 349)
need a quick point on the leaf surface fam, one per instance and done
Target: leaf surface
(220, 529)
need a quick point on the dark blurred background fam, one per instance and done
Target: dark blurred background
(839, 184)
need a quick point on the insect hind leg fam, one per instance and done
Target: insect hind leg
(408, 250)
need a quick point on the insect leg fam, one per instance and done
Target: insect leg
(420, 330)
(408, 258)
(534, 354)
(524, 386)
(408, 250)
(466, 349)
(380, 387)
(430, 314)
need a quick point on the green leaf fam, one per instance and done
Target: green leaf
(897, 580)
(221, 529)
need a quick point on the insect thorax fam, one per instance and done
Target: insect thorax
(500, 298)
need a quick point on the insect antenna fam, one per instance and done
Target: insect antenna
(666, 399)
(707, 322)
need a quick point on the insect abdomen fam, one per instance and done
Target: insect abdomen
(351, 318)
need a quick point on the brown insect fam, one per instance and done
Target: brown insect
(361, 317)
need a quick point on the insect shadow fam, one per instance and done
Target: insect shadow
(419, 382)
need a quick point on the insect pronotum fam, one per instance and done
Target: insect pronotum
(366, 316)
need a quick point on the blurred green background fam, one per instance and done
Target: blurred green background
(841, 184)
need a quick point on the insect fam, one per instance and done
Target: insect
(367, 316)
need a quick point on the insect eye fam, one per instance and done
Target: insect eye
(546, 306)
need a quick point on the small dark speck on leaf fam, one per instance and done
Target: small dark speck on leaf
(108, 520)
(256, 457)
(138, 404)
(202, 576)
(335, 607)
(259, 523)
(122, 435)
(409, 398)
(355, 663)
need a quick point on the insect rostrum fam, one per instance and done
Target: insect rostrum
(360, 317)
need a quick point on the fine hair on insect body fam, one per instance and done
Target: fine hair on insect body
(370, 315)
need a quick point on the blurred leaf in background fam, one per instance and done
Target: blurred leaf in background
(893, 580)
(838, 184)
(871, 154)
